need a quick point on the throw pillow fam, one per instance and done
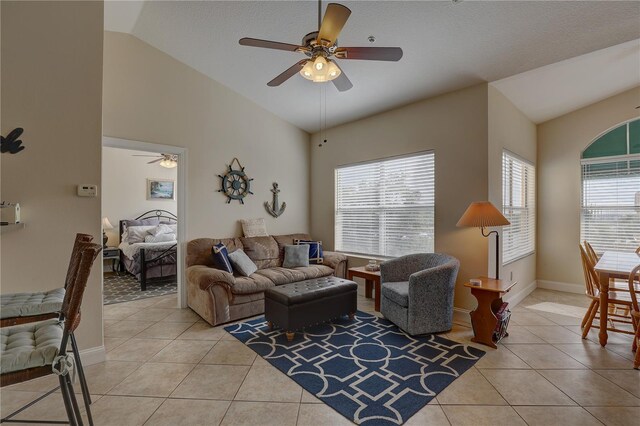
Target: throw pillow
(162, 229)
(161, 238)
(220, 256)
(242, 263)
(136, 234)
(296, 256)
(254, 227)
(315, 250)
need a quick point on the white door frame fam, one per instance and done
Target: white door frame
(181, 152)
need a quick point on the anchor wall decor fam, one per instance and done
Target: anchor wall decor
(275, 210)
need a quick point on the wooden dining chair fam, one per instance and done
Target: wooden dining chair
(616, 299)
(38, 349)
(634, 278)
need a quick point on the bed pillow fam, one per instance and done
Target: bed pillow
(242, 263)
(296, 256)
(161, 238)
(220, 256)
(162, 229)
(136, 234)
(254, 227)
(315, 250)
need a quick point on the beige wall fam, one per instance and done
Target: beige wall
(560, 143)
(509, 129)
(124, 187)
(52, 87)
(455, 127)
(151, 97)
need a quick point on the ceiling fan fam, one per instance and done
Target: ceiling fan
(168, 161)
(320, 46)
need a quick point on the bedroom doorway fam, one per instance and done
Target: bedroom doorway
(143, 200)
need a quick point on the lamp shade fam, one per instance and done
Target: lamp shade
(106, 224)
(482, 214)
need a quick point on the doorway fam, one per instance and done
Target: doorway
(144, 220)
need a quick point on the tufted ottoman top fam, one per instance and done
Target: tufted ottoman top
(304, 291)
(27, 304)
(29, 345)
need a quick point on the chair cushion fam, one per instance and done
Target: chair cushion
(29, 345)
(28, 304)
(398, 292)
(315, 271)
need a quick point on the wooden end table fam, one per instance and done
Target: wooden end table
(483, 319)
(371, 278)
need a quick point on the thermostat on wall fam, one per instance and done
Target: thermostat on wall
(87, 190)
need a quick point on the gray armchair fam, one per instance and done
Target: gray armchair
(417, 292)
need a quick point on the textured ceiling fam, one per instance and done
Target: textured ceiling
(446, 46)
(557, 89)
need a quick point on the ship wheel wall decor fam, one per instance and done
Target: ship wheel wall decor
(235, 183)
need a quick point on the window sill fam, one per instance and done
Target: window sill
(365, 257)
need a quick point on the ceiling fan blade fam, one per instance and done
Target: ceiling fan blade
(143, 155)
(342, 82)
(155, 161)
(268, 44)
(334, 19)
(370, 53)
(287, 74)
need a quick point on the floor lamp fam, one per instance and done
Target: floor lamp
(482, 214)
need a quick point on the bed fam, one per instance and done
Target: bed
(148, 247)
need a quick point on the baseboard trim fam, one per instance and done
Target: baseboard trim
(558, 286)
(461, 316)
(518, 297)
(93, 355)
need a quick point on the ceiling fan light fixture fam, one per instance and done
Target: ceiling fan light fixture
(169, 163)
(327, 70)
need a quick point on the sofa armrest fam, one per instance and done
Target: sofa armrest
(337, 261)
(204, 277)
(434, 285)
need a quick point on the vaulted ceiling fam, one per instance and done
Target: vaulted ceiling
(447, 46)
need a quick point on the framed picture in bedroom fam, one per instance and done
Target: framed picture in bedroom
(161, 189)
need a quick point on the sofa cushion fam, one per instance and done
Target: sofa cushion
(262, 250)
(279, 275)
(296, 256)
(253, 284)
(398, 292)
(284, 240)
(315, 271)
(199, 250)
(30, 345)
(241, 263)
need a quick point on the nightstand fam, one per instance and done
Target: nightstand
(112, 254)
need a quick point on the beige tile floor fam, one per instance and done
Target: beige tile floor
(165, 366)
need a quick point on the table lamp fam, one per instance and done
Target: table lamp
(482, 214)
(105, 225)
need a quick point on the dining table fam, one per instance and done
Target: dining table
(612, 264)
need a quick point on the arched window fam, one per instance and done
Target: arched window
(610, 217)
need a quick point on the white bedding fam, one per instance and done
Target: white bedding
(130, 250)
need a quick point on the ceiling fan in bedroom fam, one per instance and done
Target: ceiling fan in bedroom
(168, 161)
(321, 49)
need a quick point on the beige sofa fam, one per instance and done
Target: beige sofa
(220, 297)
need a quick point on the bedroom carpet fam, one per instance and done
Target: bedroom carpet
(125, 288)
(367, 369)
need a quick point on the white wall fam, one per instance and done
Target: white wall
(560, 144)
(455, 126)
(509, 129)
(52, 87)
(124, 187)
(151, 97)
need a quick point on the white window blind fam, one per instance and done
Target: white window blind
(519, 207)
(610, 218)
(386, 207)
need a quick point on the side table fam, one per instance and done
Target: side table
(112, 254)
(483, 319)
(371, 279)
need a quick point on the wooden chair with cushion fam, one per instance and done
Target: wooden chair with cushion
(634, 279)
(616, 299)
(37, 349)
(615, 284)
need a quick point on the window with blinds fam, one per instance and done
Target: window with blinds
(386, 207)
(610, 216)
(519, 207)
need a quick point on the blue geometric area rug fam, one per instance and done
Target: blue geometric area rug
(367, 369)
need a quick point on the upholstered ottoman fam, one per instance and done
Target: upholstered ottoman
(305, 303)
